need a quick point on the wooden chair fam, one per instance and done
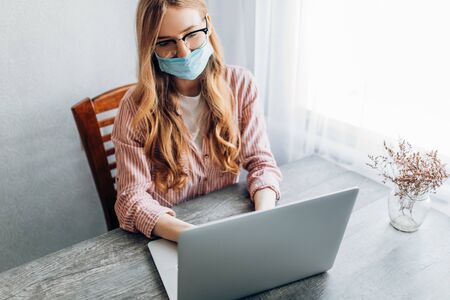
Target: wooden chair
(89, 127)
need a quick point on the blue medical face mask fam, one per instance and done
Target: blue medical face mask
(189, 67)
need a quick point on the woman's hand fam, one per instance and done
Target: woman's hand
(169, 227)
(265, 199)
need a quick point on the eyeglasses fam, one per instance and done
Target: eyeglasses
(193, 40)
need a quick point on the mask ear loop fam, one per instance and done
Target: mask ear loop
(210, 29)
(208, 25)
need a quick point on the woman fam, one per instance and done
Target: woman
(188, 125)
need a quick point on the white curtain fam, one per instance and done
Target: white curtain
(337, 78)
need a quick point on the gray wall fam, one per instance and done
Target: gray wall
(234, 21)
(53, 53)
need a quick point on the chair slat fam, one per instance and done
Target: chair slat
(109, 100)
(106, 122)
(112, 166)
(106, 137)
(110, 151)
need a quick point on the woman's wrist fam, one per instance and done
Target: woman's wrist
(169, 227)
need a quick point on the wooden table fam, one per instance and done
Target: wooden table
(374, 261)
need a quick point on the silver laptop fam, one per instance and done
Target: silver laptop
(254, 251)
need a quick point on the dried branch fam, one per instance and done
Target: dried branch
(413, 173)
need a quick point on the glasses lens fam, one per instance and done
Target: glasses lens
(166, 48)
(195, 40)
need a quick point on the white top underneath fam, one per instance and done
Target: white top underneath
(192, 109)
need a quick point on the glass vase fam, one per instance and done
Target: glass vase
(408, 213)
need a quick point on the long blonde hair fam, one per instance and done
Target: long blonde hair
(155, 94)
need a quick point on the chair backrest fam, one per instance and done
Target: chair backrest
(92, 127)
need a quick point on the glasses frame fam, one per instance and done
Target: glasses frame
(205, 30)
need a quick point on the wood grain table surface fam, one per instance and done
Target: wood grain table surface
(374, 261)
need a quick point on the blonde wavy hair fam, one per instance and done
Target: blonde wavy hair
(155, 94)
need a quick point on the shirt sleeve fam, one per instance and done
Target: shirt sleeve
(256, 155)
(135, 208)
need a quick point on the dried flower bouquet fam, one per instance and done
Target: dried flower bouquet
(414, 175)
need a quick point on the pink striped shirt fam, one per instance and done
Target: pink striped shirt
(139, 203)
